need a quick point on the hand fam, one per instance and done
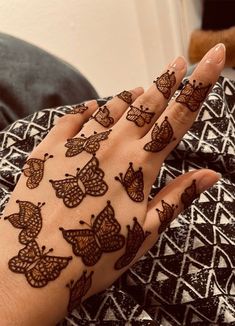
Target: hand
(84, 193)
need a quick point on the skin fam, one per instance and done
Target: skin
(20, 304)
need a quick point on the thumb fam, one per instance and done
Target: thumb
(174, 198)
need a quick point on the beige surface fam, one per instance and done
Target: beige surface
(116, 43)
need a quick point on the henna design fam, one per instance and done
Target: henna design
(192, 96)
(78, 290)
(28, 219)
(103, 117)
(88, 181)
(78, 108)
(89, 144)
(36, 265)
(189, 194)
(165, 82)
(165, 216)
(125, 96)
(139, 116)
(35, 171)
(133, 183)
(135, 239)
(101, 237)
(161, 137)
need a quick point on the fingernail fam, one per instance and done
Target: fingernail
(216, 54)
(178, 64)
(207, 181)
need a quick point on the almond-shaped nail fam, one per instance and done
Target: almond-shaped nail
(216, 54)
(178, 63)
(207, 181)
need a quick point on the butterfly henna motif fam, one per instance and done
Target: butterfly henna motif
(192, 96)
(133, 183)
(189, 194)
(78, 108)
(78, 290)
(103, 117)
(89, 144)
(165, 82)
(35, 171)
(125, 96)
(103, 236)
(165, 216)
(135, 239)
(29, 219)
(139, 116)
(161, 137)
(88, 181)
(38, 267)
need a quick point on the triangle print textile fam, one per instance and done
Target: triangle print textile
(188, 277)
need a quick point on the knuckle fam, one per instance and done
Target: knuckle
(180, 115)
(66, 119)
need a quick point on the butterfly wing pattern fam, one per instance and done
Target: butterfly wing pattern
(165, 216)
(28, 219)
(75, 146)
(133, 183)
(192, 96)
(139, 116)
(135, 239)
(38, 267)
(103, 236)
(78, 290)
(189, 194)
(35, 170)
(103, 117)
(84, 245)
(78, 108)
(161, 137)
(90, 145)
(165, 82)
(91, 177)
(125, 96)
(107, 229)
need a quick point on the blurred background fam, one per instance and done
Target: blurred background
(116, 44)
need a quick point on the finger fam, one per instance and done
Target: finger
(181, 113)
(107, 115)
(70, 124)
(147, 108)
(173, 199)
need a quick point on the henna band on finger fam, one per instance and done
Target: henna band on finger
(35, 170)
(165, 216)
(125, 96)
(165, 82)
(192, 96)
(140, 116)
(103, 117)
(78, 108)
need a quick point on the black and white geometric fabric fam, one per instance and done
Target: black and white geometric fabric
(188, 277)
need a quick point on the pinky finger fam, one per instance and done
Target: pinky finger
(70, 124)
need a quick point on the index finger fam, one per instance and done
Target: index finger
(179, 116)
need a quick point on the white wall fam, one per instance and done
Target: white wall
(116, 44)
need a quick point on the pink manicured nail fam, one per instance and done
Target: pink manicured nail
(216, 54)
(178, 64)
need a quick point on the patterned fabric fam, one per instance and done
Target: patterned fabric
(188, 277)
